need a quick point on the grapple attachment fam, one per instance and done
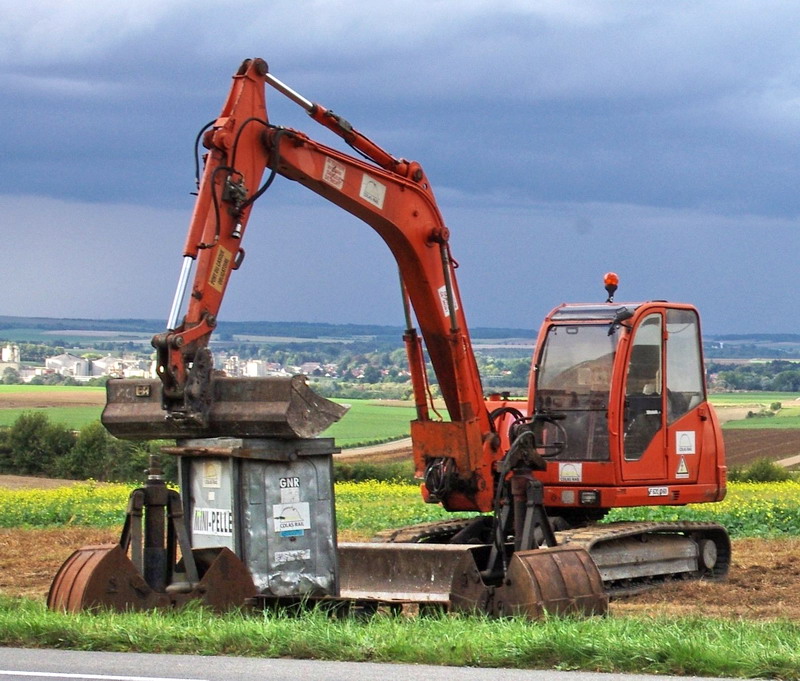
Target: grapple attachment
(104, 577)
(279, 407)
(152, 577)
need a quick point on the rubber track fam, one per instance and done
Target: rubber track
(414, 534)
(588, 538)
(593, 535)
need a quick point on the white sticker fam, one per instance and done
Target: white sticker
(570, 472)
(290, 489)
(683, 470)
(658, 491)
(372, 191)
(333, 173)
(291, 517)
(292, 556)
(215, 521)
(290, 495)
(685, 442)
(443, 298)
(212, 474)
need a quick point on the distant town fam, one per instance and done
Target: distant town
(85, 368)
(343, 360)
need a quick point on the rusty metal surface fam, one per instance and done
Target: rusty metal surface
(104, 577)
(282, 407)
(101, 576)
(421, 573)
(225, 582)
(562, 580)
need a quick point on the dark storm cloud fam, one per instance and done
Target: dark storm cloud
(563, 139)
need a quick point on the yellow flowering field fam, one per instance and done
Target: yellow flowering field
(750, 509)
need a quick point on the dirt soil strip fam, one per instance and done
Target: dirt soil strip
(41, 399)
(763, 583)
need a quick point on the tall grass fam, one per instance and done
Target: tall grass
(686, 646)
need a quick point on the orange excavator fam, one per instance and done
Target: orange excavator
(616, 416)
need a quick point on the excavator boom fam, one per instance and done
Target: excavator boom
(392, 196)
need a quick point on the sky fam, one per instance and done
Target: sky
(563, 139)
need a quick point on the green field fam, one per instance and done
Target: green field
(367, 421)
(787, 417)
(754, 399)
(33, 389)
(370, 421)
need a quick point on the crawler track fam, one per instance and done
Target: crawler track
(632, 557)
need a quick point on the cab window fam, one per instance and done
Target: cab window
(643, 388)
(685, 384)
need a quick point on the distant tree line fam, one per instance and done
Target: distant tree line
(36, 446)
(775, 375)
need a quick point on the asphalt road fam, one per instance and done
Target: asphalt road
(28, 665)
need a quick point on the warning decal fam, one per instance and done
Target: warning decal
(683, 471)
(219, 270)
(442, 290)
(282, 557)
(333, 173)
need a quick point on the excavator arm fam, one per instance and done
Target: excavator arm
(393, 197)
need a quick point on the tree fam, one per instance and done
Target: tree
(372, 374)
(35, 444)
(11, 376)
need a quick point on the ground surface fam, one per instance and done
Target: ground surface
(40, 399)
(764, 580)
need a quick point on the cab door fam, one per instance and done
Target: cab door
(685, 397)
(643, 427)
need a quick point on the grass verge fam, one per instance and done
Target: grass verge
(687, 646)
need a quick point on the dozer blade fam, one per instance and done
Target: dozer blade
(104, 577)
(561, 580)
(414, 573)
(281, 407)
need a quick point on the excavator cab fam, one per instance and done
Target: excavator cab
(624, 386)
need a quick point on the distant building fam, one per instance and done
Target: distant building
(259, 367)
(122, 367)
(9, 354)
(68, 365)
(9, 358)
(311, 369)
